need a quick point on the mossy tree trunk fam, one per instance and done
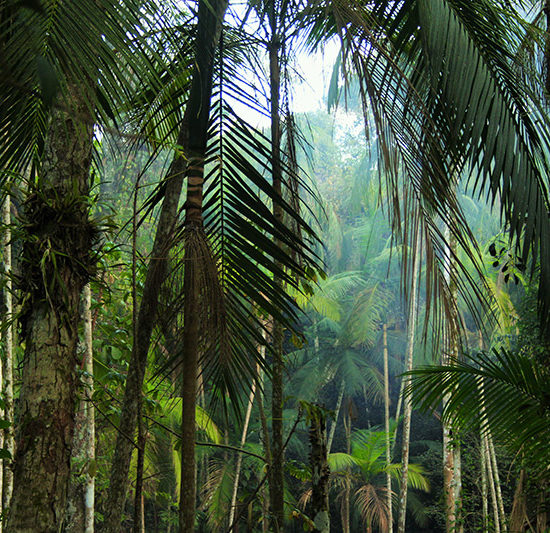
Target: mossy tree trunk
(320, 472)
(56, 265)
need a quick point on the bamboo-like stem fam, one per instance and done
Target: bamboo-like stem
(494, 465)
(488, 462)
(243, 441)
(407, 402)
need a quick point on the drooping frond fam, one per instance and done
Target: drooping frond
(501, 392)
(88, 45)
(441, 79)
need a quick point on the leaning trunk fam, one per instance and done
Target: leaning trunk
(58, 242)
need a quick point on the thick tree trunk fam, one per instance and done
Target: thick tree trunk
(387, 429)
(320, 472)
(7, 381)
(407, 402)
(57, 264)
(276, 477)
(196, 120)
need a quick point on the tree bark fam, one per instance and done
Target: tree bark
(337, 412)
(407, 402)
(196, 119)
(79, 517)
(320, 472)
(57, 264)
(276, 477)
(7, 382)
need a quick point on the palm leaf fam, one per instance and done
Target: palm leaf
(501, 392)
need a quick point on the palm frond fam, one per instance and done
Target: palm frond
(501, 392)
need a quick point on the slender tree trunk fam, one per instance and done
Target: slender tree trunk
(496, 518)
(196, 119)
(9, 441)
(407, 402)
(89, 491)
(484, 489)
(320, 472)
(79, 516)
(337, 413)
(60, 253)
(243, 441)
(494, 465)
(276, 477)
(197, 255)
(452, 482)
(347, 489)
(387, 428)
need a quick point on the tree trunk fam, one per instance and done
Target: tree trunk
(7, 382)
(276, 477)
(452, 482)
(196, 119)
(488, 462)
(320, 472)
(58, 242)
(79, 516)
(337, 412)
(243, 441)
(494, 465)
(407, 401)
(387, 428)
(347, 487)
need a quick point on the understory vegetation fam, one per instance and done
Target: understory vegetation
(223, 313)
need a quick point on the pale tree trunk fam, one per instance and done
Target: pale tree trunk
(347, 487)
(89, 491)
(387, 428)
(407, 402)
(7, 382)
(61, 254)
(320, 472)
(79, 516)
(243, 441)
(337, 413)
(488, 462)
(494, 465)
(484, 488)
